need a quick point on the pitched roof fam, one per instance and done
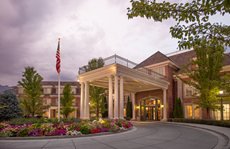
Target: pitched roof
(183, 59)
(153, 59)
(53, 83)
(180, 59)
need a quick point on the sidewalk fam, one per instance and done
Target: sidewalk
(223, 131)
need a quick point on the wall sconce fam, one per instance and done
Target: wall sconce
(162, 106)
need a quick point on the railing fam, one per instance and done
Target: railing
(115, 59)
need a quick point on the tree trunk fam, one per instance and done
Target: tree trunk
(97, 110)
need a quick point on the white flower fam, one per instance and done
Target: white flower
(73, 133)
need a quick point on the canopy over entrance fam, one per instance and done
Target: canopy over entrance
(119, 76)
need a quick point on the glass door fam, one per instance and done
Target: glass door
(150, 109)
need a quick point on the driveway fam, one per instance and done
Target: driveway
(149, 135)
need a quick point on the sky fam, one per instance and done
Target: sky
(88, 29)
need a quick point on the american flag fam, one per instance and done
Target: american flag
(58, 58)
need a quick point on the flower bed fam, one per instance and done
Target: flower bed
(63, 128)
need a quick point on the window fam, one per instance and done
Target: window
(46, 90)
(188, 111)
(216, 114)
(192, 111)
(197, 112)
(53, 101)
(77, 91)
(189, 91)
(54, 90)
(20, 90)
(159, 70)
(226, 111)
(45, 101)
(73, 90)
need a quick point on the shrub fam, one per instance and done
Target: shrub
(178, 109)
(21, 121)
(198, 121)
(23, 132)
(9, 106)
(85, 129)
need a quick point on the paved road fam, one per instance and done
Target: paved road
(144, 136)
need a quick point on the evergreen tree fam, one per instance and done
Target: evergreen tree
(105, 110)
(178, 109)
(129, 113)
(31, 102)
(9, 106)
(67, 101)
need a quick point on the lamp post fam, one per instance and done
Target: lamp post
(221, 106)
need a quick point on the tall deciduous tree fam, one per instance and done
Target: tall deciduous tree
(97, 94)
(205, 75)
(194, 30)
(31, 101)
(9, 106)
(67, 101)
(192, 19)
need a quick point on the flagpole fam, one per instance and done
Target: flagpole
(58, 64)
(59, 97)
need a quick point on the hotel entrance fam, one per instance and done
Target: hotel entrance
(150, 109)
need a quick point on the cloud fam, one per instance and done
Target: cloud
(88, 29)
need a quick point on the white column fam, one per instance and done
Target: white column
(133, 105)
(116, 96)
(86, 100)
(165, 106)
(121, 97)
(49, 116)
(82, 108)
(110, 108)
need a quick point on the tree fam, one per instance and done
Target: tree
(67, 101)
(192, 19)
(178, 109)
(194, 30)
(97, 94)
(31, 102)
(129, 109)
(205, 77)
(95, 64)
(105, 110)
(225, 83)
(9, 106)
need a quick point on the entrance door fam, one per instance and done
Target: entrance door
(150, 109)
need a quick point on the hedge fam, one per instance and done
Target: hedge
(200, 121)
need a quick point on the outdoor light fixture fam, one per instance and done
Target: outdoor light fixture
(137, 107)
(221, 92)
(221, 105)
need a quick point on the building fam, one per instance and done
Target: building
(50, 97)
(152, 86)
